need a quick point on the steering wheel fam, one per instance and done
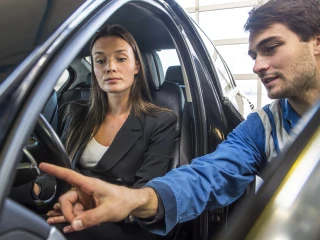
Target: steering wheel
(46, 139)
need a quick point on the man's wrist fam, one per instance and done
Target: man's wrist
(147, 203)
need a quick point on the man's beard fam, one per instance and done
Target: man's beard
(305, 79)
(300, 85)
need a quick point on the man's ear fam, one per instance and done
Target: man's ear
(317, 45)
(137, 70)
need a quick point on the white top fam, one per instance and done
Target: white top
(92, 153)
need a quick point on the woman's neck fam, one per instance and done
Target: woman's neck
(118, 104)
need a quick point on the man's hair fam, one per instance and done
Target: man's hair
(301, 16)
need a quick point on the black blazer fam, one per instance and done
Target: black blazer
(140, 151)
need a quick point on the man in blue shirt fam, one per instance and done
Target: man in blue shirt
(285, 45)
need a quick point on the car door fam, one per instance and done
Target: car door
(223, 108)
(29, 74)
(214, 111)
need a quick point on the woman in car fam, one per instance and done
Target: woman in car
(118, 136)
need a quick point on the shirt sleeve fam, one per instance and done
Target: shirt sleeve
(211, 181)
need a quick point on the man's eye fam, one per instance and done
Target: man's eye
(122, 59)
(271, 48)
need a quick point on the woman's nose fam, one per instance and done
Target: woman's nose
(111, 66)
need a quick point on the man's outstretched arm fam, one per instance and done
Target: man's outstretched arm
(103, 202)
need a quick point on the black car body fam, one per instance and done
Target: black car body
(42, 39)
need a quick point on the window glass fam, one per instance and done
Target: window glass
(224, 77)
(224, 24)
(193, 16)
(187, 3)
(250, 89)
(62, 80)
(168, 58)
(88, 58)
(211, 2)
(237, 59)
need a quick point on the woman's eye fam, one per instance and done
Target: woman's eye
(122, 59)
(99, 61)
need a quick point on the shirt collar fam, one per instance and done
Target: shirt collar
(289, 113)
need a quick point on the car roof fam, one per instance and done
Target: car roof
(25, 25)
(146, 28)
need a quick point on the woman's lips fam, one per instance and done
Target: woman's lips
(112, 79)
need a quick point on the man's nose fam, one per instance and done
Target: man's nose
(261, 64)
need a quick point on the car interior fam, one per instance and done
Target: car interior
(172, 86)
(169, 88)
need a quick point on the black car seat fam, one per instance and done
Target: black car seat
(50, 110)
(174, 75)
(80, 91)
(164, 94)
(54, 108)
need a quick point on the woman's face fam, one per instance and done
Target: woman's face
(114, 64)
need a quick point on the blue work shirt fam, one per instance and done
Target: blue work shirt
(219, 178)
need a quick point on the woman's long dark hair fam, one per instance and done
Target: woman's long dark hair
(84, 124)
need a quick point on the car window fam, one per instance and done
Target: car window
(62, 80)
(88, 59)
(223, 73)
(168, 57)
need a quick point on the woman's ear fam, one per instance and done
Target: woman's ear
(137, 70)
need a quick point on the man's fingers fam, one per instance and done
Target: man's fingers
(54, 213)
(54, 220)
(65, 174)
(88, 185)
(90, 218)
(67, 202)
(68, 229)
(57, 207)
(78, 209)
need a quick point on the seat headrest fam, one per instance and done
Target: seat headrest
(174, 74)
(153, 68)
(86, 83)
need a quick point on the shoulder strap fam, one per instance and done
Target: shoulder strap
(273, 129)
